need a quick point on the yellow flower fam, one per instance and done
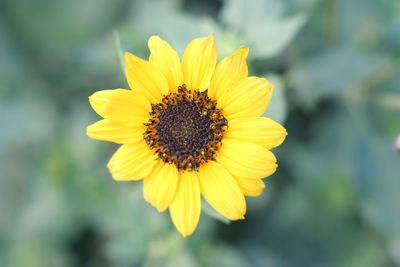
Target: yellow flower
(190, 129)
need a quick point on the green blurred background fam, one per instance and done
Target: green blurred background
(335, 199)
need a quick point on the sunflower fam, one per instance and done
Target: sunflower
(190, 129)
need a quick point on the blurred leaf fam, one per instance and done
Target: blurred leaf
(364, 27)
(394, 250)
(389, 101)
(332, 72)
(25, 116)
(263, 24)
(120, 48)
(36, 253)
(52, 27)
(183, 259)
(377, 170)
(223, 255)
(258, 255)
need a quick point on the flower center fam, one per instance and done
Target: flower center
(186, 129)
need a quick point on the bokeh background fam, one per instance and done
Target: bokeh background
(335, 199)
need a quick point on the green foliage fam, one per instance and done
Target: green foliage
(334, 199)
(263, 24)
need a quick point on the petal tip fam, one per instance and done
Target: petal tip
(89, 131)
(244, 51)
(152, 40)
(127, 55)
(154, 37)
(160, 208)
(185, 233)
(210, 38)
(131, 59)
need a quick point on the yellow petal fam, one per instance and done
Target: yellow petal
(250, 187)
(115, 132)
(185, 208)
(160, 186)
(221, 190)
(249, 98)
(228, 72)
(167, 60)
(198, 63)
(145, 78)
(121, 105)
(245, 159)
(258, 130)
(132, 162)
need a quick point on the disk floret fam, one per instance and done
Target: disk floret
(185, 129)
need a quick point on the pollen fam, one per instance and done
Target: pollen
(185, 129)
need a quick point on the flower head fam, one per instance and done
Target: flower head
(190, 129)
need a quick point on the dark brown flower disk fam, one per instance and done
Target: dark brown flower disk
(185, 129)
